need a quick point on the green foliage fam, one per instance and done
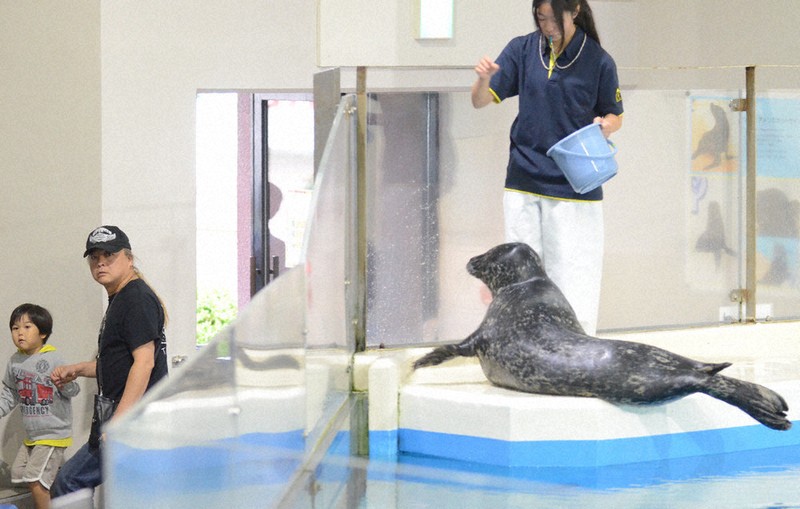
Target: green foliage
(215, 308)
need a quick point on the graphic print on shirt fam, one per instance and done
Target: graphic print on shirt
(35, 390)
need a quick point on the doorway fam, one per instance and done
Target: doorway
(254, 160)
(283, 181)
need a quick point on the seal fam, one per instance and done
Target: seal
(530, 341)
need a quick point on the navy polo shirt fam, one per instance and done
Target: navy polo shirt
(552, 108)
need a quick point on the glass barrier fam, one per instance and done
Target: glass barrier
(674, 214)
(778, 191)
(236, 422)
(403, 231)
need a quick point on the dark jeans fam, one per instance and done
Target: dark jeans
(83, 470)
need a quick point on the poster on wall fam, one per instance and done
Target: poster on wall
(716, 173)
(778, 192)
(714, 178)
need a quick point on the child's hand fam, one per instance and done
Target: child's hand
(62, 375)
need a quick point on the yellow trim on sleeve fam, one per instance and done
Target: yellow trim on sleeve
(496, 99)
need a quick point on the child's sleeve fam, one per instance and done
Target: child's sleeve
(8, 398)
(70, 390)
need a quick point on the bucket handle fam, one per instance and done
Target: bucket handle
(587, 156)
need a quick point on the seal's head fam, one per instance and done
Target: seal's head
(505, 265)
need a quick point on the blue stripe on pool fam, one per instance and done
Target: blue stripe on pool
(586, 453)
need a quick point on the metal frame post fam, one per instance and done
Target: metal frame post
(360, 321)
(750, 197)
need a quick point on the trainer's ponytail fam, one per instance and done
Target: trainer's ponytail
(139, 274)
(585, 19)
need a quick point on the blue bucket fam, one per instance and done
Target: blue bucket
(586, 157)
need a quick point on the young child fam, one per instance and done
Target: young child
(46, 410)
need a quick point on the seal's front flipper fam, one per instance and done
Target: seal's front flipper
(444, 353)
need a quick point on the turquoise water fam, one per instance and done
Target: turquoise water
(765, 479)
(753, 490)
(768, 478)
(256, 472)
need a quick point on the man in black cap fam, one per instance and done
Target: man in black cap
(132, 354)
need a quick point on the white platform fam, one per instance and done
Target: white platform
(451, 411)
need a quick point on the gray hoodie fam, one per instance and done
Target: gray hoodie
(46, 411)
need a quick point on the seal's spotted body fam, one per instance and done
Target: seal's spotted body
(530, 341)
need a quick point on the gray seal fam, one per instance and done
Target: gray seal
(530, 341)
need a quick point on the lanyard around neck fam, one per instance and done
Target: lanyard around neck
(554, 57)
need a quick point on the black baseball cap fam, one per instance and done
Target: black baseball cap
(108, 238)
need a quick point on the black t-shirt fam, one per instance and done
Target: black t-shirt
(134, 317)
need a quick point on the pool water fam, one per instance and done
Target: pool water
(274, 470)
(768, 478)
(253, 473)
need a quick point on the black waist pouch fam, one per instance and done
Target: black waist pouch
(103, 410)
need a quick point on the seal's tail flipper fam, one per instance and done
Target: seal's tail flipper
(713, 369)
(762, 404)
(444, 353)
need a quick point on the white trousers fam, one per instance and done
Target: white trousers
(568, 235)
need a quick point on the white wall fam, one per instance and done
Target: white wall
(50, 167)
(716, 32)
(156, 56)
(636, 32)
(383, 33)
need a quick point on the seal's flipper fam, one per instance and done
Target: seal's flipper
(713, 369)
(444, 353)
(762, 404)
